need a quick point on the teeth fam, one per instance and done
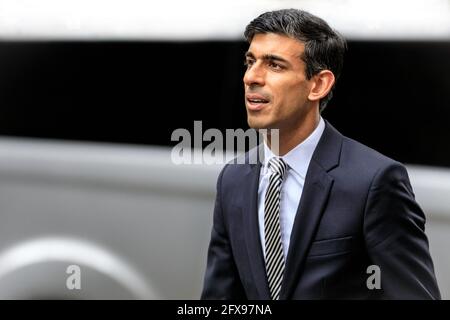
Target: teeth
(257, 100)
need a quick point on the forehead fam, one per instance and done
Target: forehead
(276, 44)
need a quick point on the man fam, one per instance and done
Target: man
(325, 217)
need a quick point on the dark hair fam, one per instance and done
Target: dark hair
(324, 47)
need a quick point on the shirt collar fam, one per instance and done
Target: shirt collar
(298, 158)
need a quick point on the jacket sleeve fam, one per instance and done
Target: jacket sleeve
(394, 230)
(221, 279)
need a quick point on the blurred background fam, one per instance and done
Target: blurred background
(91, 91)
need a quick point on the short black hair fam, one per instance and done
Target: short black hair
(324, 47)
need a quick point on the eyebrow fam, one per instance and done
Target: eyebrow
(268, 57)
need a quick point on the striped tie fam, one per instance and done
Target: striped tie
(272, 231)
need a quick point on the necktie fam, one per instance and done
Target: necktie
(272, 231)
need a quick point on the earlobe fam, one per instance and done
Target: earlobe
(322, 84)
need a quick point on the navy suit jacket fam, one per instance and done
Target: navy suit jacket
(357, 209)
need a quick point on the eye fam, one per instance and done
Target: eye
(248, 62)
(275, 65)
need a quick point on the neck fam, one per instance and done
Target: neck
(290, 138)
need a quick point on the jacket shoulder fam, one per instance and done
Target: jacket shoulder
(362, 160)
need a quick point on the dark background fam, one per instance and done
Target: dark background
(392, 96)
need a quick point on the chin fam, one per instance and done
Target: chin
(257, 121)
(256, 124)
(260, 122)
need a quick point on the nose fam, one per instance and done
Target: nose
(254, 75)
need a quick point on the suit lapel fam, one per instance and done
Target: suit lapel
(314, 197)
(318, 184)
(251, 229)
(249, 205)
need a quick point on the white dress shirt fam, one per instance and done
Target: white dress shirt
(298, 160)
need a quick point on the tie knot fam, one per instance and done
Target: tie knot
(278, 166)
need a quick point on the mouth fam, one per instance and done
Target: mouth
(256, 102)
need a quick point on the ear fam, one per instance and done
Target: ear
(321, 85)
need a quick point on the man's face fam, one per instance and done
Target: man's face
(276, 88)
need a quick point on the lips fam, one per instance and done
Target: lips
(256, 101)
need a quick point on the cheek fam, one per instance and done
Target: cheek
(297, 92)
(289, 92)
(290, 96)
